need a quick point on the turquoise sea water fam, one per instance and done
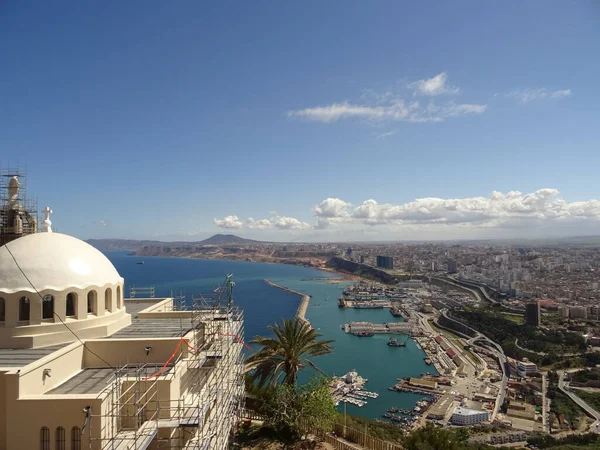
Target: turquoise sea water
(263, 305)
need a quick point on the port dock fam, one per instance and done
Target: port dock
(369, 328)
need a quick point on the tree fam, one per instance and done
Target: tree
(282, 356)
(291, 410)
(432, 438)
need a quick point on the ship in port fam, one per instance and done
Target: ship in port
(365, 334)
(396, 312)
(367, 305)
(393, 342)
(341, 302)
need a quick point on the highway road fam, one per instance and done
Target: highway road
(482, 341)
(477, 290)
(564, 387)
(545, 404)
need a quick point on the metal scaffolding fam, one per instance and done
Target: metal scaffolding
(193, 401)
(18, 212)
(144, 292)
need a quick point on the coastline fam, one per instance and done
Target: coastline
(301, 312)
(345, 276)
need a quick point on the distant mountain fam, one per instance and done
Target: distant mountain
(132, 245)
(228, 239)
(127, 245)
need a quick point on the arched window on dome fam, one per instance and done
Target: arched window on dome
(71, 304)
(24, 309)
(60, 439)
(47, 307)
(108, 299)
(75, 438)
(119, 298)
(92, 302)
(44, 438)
(2, 309)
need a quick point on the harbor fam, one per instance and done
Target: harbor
(375, 360)
(349, 388)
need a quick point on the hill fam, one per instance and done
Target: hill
(131, 245)
(228, 239)
(122, 245)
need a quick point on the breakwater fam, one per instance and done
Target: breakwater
(301, 312)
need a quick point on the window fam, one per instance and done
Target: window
(75, 438)
(44, 438)
(92, 303)
(24, 307)
(71, 304)
(60, 438)
(2, 310)
(47, 307)
(108, 299)
(119, 298)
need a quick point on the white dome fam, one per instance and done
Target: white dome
(54, 261)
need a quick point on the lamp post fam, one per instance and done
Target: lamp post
(344, 420)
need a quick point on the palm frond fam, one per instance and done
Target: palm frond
(281, 357)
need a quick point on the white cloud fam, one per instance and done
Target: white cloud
(561, 93)
(434, 86)
(336, 111)
(332, 208)
(529, 95)
(376, 107)
(529, 213)
(384, 135)
(228, 222)
(103, 223)
(279, 222)
(495, 210)
(261, 224)
(289, 223)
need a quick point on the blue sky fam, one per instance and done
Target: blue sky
(176, 120)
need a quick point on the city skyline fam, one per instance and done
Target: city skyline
(308, 122)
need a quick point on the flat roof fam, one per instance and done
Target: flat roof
(441, 407)
(462, 411)
(526, 363)
(139, 328)
(155, 328)
(93, 381)
(20, 357)
(419, 381)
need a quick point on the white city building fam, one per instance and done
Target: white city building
(467, 416)
(526, 368)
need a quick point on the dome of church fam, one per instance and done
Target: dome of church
(54, 261)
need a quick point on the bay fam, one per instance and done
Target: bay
(264, 305)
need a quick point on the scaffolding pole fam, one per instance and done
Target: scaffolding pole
(208, 369)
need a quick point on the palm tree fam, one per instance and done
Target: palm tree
(286, 353)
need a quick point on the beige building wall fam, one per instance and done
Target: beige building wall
(108, 315)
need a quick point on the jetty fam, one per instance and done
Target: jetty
(301, 312)
(369, 328)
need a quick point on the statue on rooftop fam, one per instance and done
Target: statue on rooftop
(13, 192)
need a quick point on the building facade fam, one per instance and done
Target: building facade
(533, 314)
(385, 262)
(578, 312)
(466, 416)
(526, 368)
(83, 367)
